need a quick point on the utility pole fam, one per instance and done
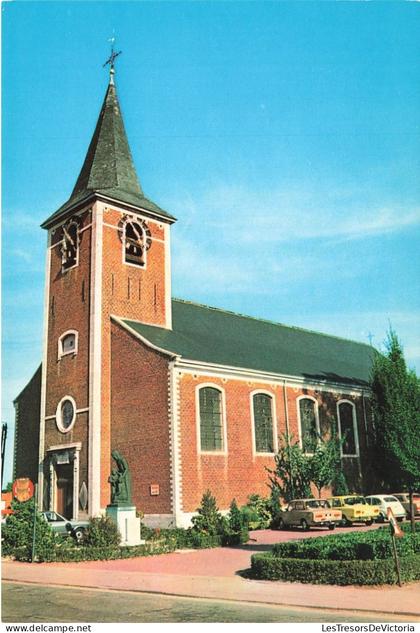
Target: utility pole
(3, 449)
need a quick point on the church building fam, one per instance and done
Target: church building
(194, 397)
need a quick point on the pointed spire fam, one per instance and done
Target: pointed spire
(108, 169)
(108, 163)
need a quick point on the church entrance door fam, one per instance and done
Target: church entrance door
(64, 495)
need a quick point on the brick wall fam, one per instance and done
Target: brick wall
(241, 472)
(27, 406)
(131, 292)
(127, 291)
(69, 307)
(140, 422)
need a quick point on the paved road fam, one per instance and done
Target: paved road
(30, 603)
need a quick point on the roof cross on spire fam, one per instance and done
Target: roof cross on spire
(111, 59)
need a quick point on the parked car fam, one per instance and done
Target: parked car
(64, 526)
(383, 502)
(404, 499)
(355, 509)
(308, 513)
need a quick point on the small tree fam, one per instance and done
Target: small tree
(290, 478)
(396, 414)
(18, 532)
(209, 520)
(261, 507)
(339, 484)
(236, 522)
(325, 464)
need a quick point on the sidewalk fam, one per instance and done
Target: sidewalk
(214, 574)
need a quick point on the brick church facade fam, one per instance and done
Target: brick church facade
(193, 397)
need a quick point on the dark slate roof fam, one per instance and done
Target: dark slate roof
(108, 168)
(202, 333)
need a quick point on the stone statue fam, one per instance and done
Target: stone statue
(120, 481)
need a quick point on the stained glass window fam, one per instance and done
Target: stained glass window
(345, 414)
(211, 422)
(263, 421)
(308, 426)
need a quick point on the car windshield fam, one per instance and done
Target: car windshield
(313, 503)
(351, 501)
(52, 516)
(390, 499)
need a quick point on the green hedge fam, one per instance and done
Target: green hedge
(372, 545)
(76, 554)
(162, 544)
(334, 572)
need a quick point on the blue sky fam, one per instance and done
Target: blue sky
(283, 136)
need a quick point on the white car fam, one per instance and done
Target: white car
(383, 502)
(66, 527)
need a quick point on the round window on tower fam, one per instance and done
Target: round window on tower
(66, 414)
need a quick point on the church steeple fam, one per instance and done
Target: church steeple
(108, 164)
(108, 169)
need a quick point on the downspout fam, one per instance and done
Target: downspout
(175, 442)
(365, 419)
(286, 417)
(367, 439)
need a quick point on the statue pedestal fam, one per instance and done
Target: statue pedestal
(127, 522)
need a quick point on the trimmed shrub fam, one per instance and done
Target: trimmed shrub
(348, 559)
(102, 532)
(199, 540)
(334, 572)
(190, 539)
(78, 554)
(374, 545)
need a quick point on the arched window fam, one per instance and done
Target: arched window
(70, 245)
(134, 244)
(211, 419)
(348, 428)
(263, 423)
(309, 428)
(67, 343)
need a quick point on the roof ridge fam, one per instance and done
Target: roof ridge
(261, 320)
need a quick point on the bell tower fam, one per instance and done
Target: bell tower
(108, 255)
